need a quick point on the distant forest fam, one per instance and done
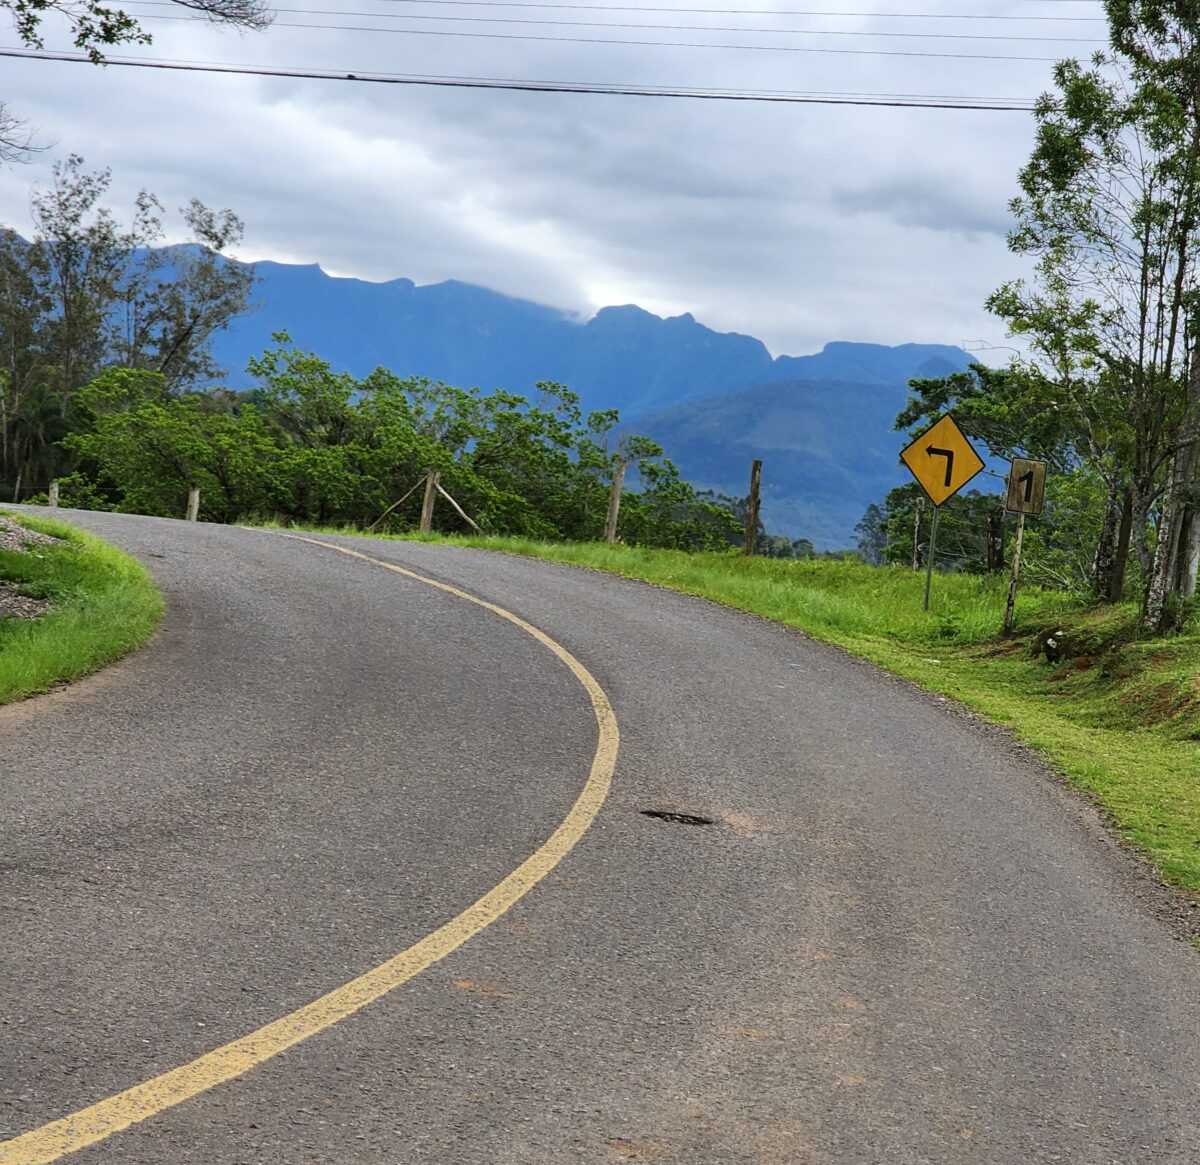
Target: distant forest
(105, 387)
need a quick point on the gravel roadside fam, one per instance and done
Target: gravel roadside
(13, 604)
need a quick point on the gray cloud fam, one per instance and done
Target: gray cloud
(942, 203)
(798, 224)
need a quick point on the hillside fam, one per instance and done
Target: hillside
(826, 445)
(821, 422)
(623, 357)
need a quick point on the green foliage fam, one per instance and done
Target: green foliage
(1109, 210)
(766, 545)
(314, 446)
(104, 605)
(96, 25)
(1013, 411)
(1059, 544)
(88, 295)
(965, 522)
(872, 534)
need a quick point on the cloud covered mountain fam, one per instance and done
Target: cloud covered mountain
(821, 423)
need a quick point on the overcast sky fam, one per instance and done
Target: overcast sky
(798, 224)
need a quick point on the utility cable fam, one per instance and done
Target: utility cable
(656, 27)
(896, 101)
(668, 44)
(744, 11)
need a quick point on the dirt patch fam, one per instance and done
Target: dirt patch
(18, 540)
(14, 605)
(1009, 647)
(1162, 703)
(14, 537)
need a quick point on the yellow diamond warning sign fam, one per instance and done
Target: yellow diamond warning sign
(942, 460)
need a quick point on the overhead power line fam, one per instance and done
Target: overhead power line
(897, 101)
(509, 20)
(667, 44)
(744, 11)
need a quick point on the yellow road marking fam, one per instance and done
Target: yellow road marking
(101, 1120)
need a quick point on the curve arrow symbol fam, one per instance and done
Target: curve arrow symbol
(948, 454)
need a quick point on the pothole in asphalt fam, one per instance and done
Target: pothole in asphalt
(677, 818)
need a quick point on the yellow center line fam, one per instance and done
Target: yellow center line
(98, 1121)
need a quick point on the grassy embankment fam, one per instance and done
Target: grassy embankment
(1120, 717)
(103, 605)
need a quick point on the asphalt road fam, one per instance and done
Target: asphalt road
(900, 941)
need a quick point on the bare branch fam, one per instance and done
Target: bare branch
(17, 143)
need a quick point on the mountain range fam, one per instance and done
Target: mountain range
(822, 423)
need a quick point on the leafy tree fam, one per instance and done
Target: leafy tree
(966, 529)
(1109, 210)
(87, 294)
(872, 535)
(86, 265)
(1015, 413)
(150, 448)
(1011, 410)
(1057, 548)
(316, 445)
(668, 512)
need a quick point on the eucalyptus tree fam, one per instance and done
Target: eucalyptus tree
(1110, 211)
(88, 292)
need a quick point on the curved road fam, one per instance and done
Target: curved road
(898, 942)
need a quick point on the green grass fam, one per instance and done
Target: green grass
(1120, 718)
(104, 605)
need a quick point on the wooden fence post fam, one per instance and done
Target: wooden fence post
(614, 502)
(752, 508)
(193, 510)
(431, 483)
(460, 511)
(407, 495)
(54, 495)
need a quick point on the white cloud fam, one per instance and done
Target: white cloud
(798, 224)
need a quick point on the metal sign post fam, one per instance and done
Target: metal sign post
(943, 461)
(1026, 495)
(932, 551)
(1016, 574)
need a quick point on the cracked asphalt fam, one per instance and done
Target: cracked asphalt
(901, 941)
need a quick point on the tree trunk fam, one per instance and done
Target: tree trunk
(1105, 559)
(1187, 539)
(1191, 561)
(1183, 548)
(918, 509)
(1116, 582)
(614, 501)
(1158, 588)
(1140, 500)
(1182, 539)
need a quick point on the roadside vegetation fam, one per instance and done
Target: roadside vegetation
(89, 604)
